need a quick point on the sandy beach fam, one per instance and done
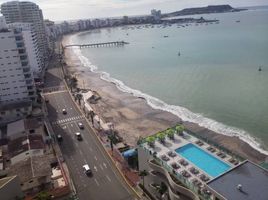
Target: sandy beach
(133, 117)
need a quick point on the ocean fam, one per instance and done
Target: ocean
(207, 74)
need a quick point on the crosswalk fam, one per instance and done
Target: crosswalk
(62, 121)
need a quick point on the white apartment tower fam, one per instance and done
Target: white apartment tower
(30, 41)
(28, 12)
(16, 79)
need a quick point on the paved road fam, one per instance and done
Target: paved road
(105, 182)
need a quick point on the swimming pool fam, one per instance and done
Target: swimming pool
(203, 160)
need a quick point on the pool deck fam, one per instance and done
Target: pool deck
(162, 149)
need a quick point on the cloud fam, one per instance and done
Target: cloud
(77, 9)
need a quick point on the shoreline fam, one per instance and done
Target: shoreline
(134, 117)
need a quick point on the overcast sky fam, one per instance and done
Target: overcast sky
(80, 9)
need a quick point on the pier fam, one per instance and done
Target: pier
(104, 44)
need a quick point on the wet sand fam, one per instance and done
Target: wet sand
(133, 117)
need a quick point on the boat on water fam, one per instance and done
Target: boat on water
(237, 21)
(165, 36)
(260, 69)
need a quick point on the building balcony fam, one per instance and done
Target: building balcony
(175, 188)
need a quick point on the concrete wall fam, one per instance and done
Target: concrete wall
(34, 183)
(26, 154)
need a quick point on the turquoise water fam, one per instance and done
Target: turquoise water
(215, 82)
(203, 160)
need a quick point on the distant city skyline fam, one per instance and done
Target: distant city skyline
(59, 10)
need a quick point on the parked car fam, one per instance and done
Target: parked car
(78, 136)
(80, 125)
(64, 111)
(87, 170)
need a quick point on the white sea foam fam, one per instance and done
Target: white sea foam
(181, 112)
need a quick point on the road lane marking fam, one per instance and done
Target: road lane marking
(85, 161)
(101, 167)
(76, 144)
(90, 149)
(95, 168)
(105, 165)
(95, 158)
(108, 178)
(80, 152)
(86, 142)
(96, 182)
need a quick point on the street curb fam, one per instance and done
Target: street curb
(121, 174)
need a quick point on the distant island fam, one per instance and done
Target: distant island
(204, 10)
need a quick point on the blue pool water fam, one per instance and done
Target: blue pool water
(203, 160)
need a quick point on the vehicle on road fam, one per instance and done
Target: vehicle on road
(80, 125)
(64, 111)
(78, 136)
(59, 138)
(87, 170)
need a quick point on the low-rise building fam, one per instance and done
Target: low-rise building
(34, 174)
(25, 147)
(181, 166)
(14, 111)
(24, 127)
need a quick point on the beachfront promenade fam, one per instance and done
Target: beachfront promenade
(103, 44)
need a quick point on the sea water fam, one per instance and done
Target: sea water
(206, 73)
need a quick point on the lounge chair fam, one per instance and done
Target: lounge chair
(183, 162)
(194, 171)
(175, 166)
(172, 154)
(204, 178)
(165, 158)
(186, 174)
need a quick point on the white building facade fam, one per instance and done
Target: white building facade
(31, 44)
(28, 12)
(16, 79)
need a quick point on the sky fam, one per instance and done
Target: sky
(59, 10)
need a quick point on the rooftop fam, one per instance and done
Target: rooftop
(33, 167)
(25, 143)
(15, 127)
(17, 105)
(252, 178)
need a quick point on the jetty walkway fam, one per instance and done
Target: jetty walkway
(104, 44)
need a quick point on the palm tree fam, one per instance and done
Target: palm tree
(73, 82)
(170, 133)
(179, 129)
(162, 189)
(142, 174)
(161, 137)
(79, 97)
(150, 140)
(43, 196)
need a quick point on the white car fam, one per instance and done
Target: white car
(80, 125)
(59, 137)
(87, 169)
(64, 111)
(78, 136)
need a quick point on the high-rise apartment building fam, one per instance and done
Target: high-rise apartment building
(28, 12)
(16, 78)
(30, 41)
